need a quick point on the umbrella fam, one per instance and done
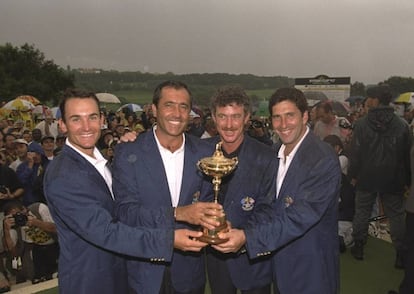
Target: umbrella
(107, 98)
(29, 98)
(354, 99)
(18, 104)
(131, 106)
(407, 97)
(315, 95)
(56, 112)
(340, 108)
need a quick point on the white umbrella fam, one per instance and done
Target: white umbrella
(107, 98)
(132, 106)
(56, 112)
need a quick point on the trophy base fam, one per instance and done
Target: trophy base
(214, 240)
(211, 236)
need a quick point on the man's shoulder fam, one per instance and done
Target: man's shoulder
(258, 148)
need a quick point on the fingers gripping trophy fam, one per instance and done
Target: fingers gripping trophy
(217, 167)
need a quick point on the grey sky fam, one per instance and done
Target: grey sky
(369, 40)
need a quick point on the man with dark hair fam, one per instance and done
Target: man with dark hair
(379, 166)
(303, 230)
(78, 188)
(159, 170)
(242, 193)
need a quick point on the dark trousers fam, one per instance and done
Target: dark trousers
(220, 280)
(393, 208)
(167, 287)
(45, 259)
(407, 284)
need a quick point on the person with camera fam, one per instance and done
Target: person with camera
(258, 130)
(30, 239)
(330, 124)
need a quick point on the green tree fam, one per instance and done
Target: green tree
(25, 71)
(400, 85)
(358, 89)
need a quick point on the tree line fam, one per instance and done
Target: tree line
(25, 70)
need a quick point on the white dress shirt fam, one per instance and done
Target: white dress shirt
(174, 166)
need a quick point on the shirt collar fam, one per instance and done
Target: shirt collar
(281, 153)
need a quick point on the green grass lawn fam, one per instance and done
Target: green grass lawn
(374, 275)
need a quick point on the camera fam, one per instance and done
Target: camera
(343, 123)
(20, 219)
(3, 189)
(256, 124)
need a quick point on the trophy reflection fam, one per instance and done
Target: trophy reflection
(216, 166)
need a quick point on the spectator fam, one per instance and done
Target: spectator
(60, 141)
(48, 126)
(407, 284)
(329, 124)
(210, 128)
(36, 135)
(27, 135)
(379, 166)
(10, 150)
(10, 186)
(30, 173)
(21, 152)
(346, 198)
(48, 145)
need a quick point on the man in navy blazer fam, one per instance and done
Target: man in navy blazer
(303, 233)
(159, 169)
(78, 190)
(242, 194)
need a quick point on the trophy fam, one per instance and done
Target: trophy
(216, 166)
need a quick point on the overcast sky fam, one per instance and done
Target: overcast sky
(368, 40)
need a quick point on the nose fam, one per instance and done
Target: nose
(85, 124)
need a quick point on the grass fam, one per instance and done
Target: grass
(375, 274)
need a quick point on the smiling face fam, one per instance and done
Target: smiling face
(230, 122)
(82, 123)
(172, 113)
(289, 123)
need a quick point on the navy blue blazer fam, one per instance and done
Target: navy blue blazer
(90, 238)
(139, 180)
(304, 230)
(247, 200)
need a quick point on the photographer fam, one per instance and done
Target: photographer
(258, 130)
(10, 186)
(30, 232)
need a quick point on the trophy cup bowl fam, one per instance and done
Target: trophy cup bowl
(217, 167)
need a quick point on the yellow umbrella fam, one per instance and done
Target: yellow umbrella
(29, 98)
(18, 104)
(407, 97)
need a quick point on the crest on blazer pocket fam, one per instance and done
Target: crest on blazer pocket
(247, 203)
(196, 197)
(288, 201)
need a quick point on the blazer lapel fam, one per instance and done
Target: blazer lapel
(154, 165)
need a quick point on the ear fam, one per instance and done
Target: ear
(154, 109)
(62, 126)
(305, 117)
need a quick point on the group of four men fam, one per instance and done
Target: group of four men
(137, 231)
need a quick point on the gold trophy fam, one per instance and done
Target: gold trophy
(216, 166)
